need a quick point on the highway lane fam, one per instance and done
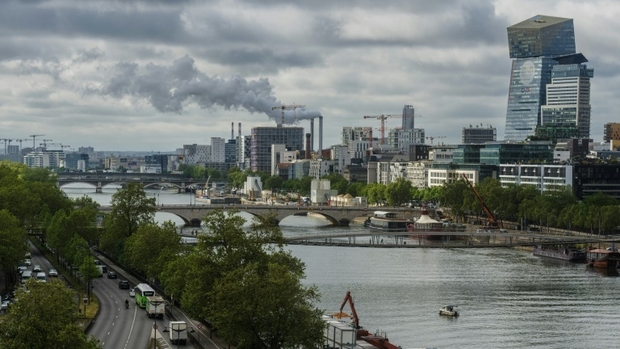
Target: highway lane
(115, 326)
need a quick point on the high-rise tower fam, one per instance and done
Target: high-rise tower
(535, 45)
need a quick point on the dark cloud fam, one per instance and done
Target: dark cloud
(263, 60)
(125, 23)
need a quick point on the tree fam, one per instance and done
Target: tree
(266, 307)
(13, 246)
(398, 192)
(44, 317)
(89, 271)
(225, 260)
(151, 248)
(337, 182)
(274, 183)
(130, 209)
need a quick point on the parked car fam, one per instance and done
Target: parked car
(112, 274)
(37, 268)
(123, 284)
(52, 273)
(5, 305)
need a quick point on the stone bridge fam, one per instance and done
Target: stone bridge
(100, 180)
(192, 215)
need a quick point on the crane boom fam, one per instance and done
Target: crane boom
(382, 117)
(492, 222)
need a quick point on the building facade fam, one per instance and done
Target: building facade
(478, 135)
(533, 45)
(262, 139)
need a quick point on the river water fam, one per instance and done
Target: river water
(507, 297)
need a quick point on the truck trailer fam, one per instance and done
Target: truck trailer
(155, 306)
(178, 332)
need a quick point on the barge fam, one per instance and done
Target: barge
(570, 254)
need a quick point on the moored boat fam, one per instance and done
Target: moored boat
(570, 254)
(388, 221)
(603, 258)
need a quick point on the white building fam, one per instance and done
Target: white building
(340, 155)
(280, 155)
(544, 177)
(417, 173)
(320, 192)
(442, 154)
(438, 176)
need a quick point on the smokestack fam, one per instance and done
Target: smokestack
(312, 134)
(281, 123)
(232, 130)
(239, 130)
(308, 140)
(320, 136)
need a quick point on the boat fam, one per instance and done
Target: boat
(570, 254)
(388, 221)
(344, 331)
(603, 258)
(448, 310)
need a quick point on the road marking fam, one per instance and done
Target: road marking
(133, 322)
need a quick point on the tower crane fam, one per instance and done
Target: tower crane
(5, 140)
(20, 142)
(34, 138)
(44, 144)
(286, 106)
(382, 117)
(437, 137)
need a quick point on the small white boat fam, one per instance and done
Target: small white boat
(448, 310)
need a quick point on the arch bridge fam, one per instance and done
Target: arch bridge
(100, 180)
(192, 215)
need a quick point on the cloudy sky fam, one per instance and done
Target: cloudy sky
(154, 75)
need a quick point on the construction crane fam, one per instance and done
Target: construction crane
(286, 106)
(437, 137)
(5, 140)
(20, 142)
(377, 340)
(44, 144)
(34, 138)
(492, 224)
(382, 117)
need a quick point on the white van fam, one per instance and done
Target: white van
(26, 275)
(41, 277)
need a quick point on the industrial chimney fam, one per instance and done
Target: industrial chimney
(308, 141)
(239, 130)
(320, 137)
(232, 130)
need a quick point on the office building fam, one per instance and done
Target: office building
(478, 134)
(262, 139)
(568, 98)
(534, 44)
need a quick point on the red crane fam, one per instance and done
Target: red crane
(377, 340)
(382, 117)
(492, 221)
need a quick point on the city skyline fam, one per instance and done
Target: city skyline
(152, 76)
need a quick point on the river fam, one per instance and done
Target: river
(507, 297)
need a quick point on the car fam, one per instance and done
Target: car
(37, 268)
(112, 274)
(123, 284)
(132, 293)
(22, 268)
(28, 255)
(52, 273)
(5, 305)
(28, 262)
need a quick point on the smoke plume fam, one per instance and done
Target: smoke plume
(167, 88)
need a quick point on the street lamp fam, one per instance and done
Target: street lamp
(155, 303)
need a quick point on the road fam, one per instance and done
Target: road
(115, 326)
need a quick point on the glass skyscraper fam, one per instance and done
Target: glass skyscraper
(535, 46)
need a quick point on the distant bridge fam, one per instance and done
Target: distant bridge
(192, 215)
(100, 180)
